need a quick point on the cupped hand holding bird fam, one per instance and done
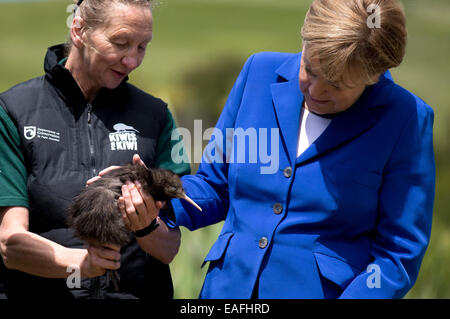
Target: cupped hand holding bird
(137, 208)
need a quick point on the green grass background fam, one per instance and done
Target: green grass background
(205, 42)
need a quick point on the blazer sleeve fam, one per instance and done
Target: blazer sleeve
(209, 187)
(405, 213)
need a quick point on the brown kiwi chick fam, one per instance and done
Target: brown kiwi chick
(94, 214)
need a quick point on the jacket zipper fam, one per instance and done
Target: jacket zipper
(95, 282)
(91, 141)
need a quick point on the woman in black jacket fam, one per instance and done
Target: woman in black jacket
(56, 132)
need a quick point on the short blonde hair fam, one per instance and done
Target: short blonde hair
(364, 38)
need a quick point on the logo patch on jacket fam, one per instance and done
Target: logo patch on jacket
(30, 132)
(124, 139)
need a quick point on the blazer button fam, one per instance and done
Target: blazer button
(287, 172)
(277, 208)
(263, 242)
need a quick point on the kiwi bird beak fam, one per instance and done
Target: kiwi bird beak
(190, 201)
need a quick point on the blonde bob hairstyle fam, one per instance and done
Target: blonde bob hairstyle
(355, 40)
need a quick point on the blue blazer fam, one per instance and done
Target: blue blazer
(349, 218)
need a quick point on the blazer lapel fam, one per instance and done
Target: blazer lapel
(341, 129)
(287, 103)
(351, 123)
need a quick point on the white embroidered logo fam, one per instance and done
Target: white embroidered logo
(31, 132)
(124, 138)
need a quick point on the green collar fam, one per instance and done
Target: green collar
(63, 61)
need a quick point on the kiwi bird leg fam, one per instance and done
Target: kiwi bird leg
(190, 201)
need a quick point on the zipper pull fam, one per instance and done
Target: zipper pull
(89, 112)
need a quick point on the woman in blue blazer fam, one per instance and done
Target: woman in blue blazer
(320, 165)
(347, 211)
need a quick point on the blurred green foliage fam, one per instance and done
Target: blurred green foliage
(198, 49)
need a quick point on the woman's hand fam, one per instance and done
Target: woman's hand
(99, 259)
(138, 209)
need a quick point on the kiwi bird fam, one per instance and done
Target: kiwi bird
(95, 215)
(120, 127)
